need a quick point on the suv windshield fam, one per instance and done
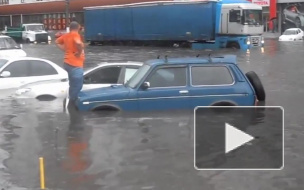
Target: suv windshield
(135, 79)
(290, 32)
(3, 62)
(252, 17)
(35, 27)
(8, 43)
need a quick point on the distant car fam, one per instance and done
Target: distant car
(293, 15)
(182, 83)
(15, 72)
(104, 75)
(9, 48)
(292, 34)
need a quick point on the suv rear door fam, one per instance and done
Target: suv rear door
(214, 83)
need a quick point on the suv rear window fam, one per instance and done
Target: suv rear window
(210, 75)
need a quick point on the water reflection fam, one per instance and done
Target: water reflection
(77, 158)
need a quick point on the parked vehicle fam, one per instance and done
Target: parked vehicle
(293, 15)
(292, 34)
(104, 75)
(28, 33)
(182, 83)
(9, 48)
(15, 72)
(202, 24)
(60, 33)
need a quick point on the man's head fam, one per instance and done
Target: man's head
(74, 26)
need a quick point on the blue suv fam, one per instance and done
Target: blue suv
(179, 83)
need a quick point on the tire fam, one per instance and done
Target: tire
(27, 41)
(298, 22)
(257, 85)
(233, 45)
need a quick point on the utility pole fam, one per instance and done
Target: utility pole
(67, 15)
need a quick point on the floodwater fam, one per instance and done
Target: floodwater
(130, 151)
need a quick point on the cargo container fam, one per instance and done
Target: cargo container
(202, 24)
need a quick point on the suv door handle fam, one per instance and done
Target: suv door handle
(184, 92)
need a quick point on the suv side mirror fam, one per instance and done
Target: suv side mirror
(145, 85)
(5, 74)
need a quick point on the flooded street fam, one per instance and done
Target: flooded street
(134, 151)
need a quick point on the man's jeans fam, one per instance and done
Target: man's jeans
(75, 80)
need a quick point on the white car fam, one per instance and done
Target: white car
(104, 75)
(15, 72)
(292, 34)
(9, 48)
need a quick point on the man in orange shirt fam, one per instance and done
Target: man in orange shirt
(73, 47)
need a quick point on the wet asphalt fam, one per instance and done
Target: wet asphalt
(134, 151)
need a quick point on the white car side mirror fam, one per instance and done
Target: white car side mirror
(5, 74)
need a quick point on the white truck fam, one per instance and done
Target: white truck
(29, 33)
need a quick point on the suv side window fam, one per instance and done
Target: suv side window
(168, 77)
(18, 68)
(41, 68)
(107, 75)
(210, 75)
(129, 73)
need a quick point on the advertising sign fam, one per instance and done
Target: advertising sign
(293, 15)
(263, 3)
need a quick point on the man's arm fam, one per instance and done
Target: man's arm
(59, 43)
(79, 46)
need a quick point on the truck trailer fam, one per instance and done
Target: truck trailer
(208, 24)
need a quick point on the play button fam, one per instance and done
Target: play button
(245, 138)
(235, 138)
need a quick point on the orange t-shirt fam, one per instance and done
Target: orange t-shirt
(69, 41)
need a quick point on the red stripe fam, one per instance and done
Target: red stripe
(273, 9)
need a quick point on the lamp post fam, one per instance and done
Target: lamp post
(67, 15)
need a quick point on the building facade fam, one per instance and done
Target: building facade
(49, 12)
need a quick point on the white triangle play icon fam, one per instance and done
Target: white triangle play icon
(235, 138)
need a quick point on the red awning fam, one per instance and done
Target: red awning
(59, 6)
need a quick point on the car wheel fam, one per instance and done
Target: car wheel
(46, 98)
(257, 85)
(298, 22)
(27, 41)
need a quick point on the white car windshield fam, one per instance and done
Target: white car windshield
(35, 27)
(3, 62)
(8, 43)
(290, 32)
(136, 78)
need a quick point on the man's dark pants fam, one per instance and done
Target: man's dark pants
(75, 80)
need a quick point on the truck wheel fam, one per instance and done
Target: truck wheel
(233, 45)
(257, 85)
(92, 43)
(27, 41)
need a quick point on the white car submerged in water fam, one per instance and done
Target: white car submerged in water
(9, 48)
(18, 71)
(292, 34)
(104, 75)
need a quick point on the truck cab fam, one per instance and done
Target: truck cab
(34, 33)
(29, 33)
(242, 19)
